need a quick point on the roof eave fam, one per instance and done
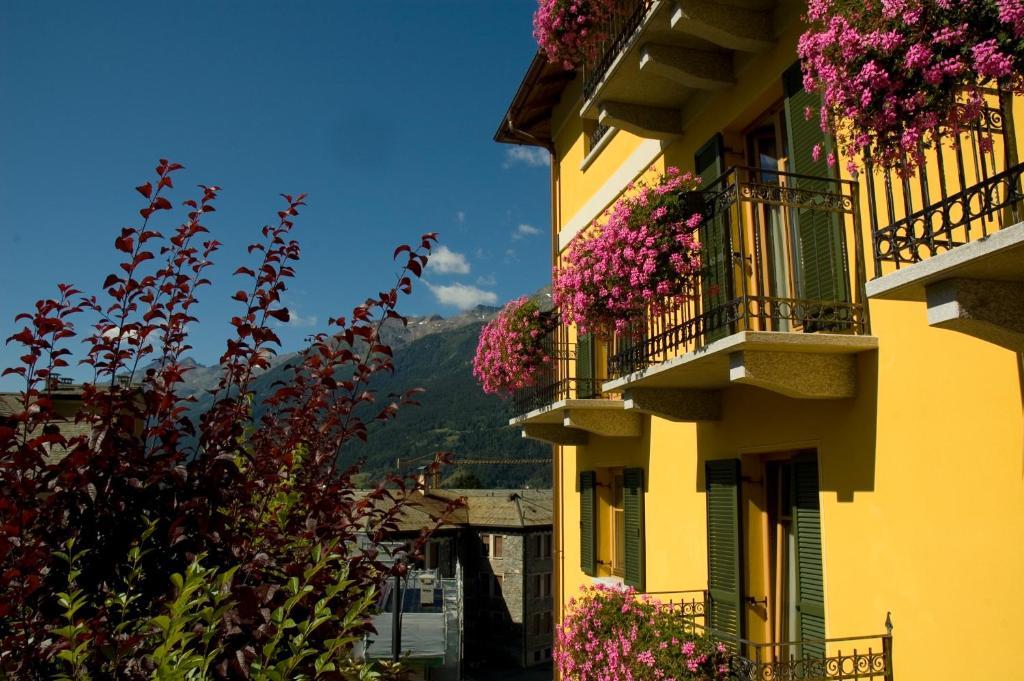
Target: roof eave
(540, 89)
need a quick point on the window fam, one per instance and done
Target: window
(498, 586)
(542, 545)
(612, 524)
(547, 653)
(618, 526)
(540, 585)
(484, 584)
(492, 545)
(594, 133)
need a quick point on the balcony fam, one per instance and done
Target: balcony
(827, 659)
(659, 53)
(779, 303)
(568, 404)
(953, 236)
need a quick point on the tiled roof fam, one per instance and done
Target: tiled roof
(504, 508)
(10, 404)
(509, 508)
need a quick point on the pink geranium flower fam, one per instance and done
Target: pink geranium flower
(570, 31)
(643, 255)
(615, 633)
(900, 76)
(511, 352)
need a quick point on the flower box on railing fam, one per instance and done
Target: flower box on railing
(779, 252)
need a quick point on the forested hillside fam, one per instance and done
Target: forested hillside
(454, 415)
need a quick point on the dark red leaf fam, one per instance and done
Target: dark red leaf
(280, 314)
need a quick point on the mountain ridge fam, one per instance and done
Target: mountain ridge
(434, 353)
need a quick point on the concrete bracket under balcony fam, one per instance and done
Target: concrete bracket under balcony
(698, 69)
(794, 374)
(555, 434)
(572, 422)
(976, 288)
(652, 122)
(730, 26)
(800, 365)
(990, 310)
(675, 405)
(668, 51)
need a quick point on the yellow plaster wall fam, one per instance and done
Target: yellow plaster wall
(922, 474)
(922, 478)
(675, 517)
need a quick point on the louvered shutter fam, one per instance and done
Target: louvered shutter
(822, 276)
(588, 522)
(716, 275)
(810, 580)
(586, 386)
(724, 576)
(633, 509)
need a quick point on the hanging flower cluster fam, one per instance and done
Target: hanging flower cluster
(511, 351)
(610, 634)
(569, 31)
(898, 76)
(645, 253)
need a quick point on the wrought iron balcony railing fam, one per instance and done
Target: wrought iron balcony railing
(961, 193)
(619, 30)
(595, 136)
(779, 251)
(565, 378)
(826, 659)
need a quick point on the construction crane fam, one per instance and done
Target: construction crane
(476, 462)
(488, 462)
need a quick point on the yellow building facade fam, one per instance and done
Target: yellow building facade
(827, 440)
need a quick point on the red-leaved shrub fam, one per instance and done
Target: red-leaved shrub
(138, 490)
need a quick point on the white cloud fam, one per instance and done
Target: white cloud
(462, 296)
(511, 256)
(299, 322)
(460, 216)
(446, 261)
(489, 280)
(534, 157)
(524, 230)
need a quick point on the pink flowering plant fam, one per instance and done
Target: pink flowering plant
(511, 352)
(610, 634)
(570, 31)
(899, 76)
(644, 254)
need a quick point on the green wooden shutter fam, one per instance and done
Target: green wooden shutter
(588, 522)
(716, 275)
(633, 508)
(810, 580)
(586, 386)
(822, 268)
(724, 576)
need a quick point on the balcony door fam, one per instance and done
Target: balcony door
(716, 284)
(765, 577)
(795, 602)
(766, 149)
(822, 281)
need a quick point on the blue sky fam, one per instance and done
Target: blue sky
(382, 111)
